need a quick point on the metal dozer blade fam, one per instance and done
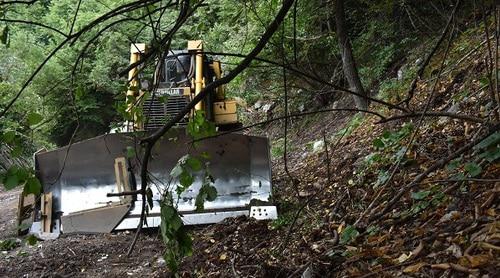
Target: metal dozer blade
(77, 179)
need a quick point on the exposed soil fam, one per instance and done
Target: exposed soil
(8, 201)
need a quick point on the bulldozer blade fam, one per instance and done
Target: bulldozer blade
(81, 175)
(97, 220)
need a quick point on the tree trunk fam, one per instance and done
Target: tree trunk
(348, 63)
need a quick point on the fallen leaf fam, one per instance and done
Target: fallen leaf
(441, 266)
(417, 250)
(403, 257)
(491, 212)
(223, 257)
(414, 268)
(478, 260)
(455, 250)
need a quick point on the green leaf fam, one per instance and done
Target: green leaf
(378, 143)
(34, 118)
(387, 134)
(185, 243)
(194, 163)
(149, 197)
(454, 164)
(420, 195)
(211, 192)
(491, 154)
(473, 169)
(186, 179)
(23, 226)
(176, 171)
(167, 212)
(205, 155)
(200, 201)
(11, 182)
(9, 136)
(175, 222)
(419, 206)
(348, 235)
(130, 152)
(31, 240)
(79, 92)
(5, 35)
(488, 141)
(382, 177)
(8, 244)
(23, 174)
(372, 158)
(32, 186)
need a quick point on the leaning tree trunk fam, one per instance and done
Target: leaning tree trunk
(348, 63)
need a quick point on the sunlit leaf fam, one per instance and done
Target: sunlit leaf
(211, 192)
(473, 169)
(194, 163)
(130, 152)
(11, 182)
(9, 136)
(348, 235)
(34, 118)
(420, 195)
(176, 171)
(31, 239)
(32, 186)
(186, 179)
(488, 141)
(149, 197)
(378, 143)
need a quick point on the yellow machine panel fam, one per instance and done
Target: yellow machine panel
(225, 112)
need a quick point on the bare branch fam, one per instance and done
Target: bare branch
(420, 71)
(33, 23)
(296, 115)
(467, 118)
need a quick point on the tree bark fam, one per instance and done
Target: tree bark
(348, 63)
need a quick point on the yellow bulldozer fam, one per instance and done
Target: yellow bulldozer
(82, 182)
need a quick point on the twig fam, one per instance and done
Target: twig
(3, 3)
(461, 180)
(34, 23)
(74, 18)
(489, 62)
(327, 158)
(124, 193)
(294, 180)
(290, 116)
(234, 269)
(421, 70)
(467, 118)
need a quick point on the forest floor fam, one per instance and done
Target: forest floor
(329, 203)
